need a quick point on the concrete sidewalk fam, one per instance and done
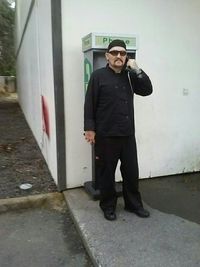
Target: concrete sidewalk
(163, 240)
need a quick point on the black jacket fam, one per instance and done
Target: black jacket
(108, 108)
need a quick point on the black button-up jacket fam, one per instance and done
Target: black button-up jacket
(108, 106)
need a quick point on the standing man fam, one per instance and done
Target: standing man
(109, 124)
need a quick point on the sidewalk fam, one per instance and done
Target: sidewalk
(163, 240)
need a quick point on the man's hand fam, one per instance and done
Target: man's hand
(90, 137)
(133, 65)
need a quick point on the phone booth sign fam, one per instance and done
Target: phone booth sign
(94, 46)
(101, 41)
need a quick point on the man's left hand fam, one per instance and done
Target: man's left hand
(133, 65)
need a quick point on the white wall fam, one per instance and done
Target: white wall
(22, 9)
(167, 129)
(35, 77)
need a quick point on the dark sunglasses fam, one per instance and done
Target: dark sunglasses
(116, 53)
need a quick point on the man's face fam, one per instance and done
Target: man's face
(116, 57)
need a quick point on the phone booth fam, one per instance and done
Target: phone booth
(94, 46)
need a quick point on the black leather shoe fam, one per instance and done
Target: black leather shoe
(141, 212)
(110, 215)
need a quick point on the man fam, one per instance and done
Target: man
(109, 124)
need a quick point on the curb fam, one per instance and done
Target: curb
(88, 248)
(53, 200)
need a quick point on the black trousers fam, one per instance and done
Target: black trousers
(108, 151)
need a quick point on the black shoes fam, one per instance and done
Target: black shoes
(110, 215)
(141, 212)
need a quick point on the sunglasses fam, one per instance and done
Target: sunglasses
(116, 53)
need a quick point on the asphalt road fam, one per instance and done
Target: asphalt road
(40, 238)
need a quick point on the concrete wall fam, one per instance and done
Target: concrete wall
(7, 84)
(167, 127)
(35, 72)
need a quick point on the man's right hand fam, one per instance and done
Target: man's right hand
(90, 137)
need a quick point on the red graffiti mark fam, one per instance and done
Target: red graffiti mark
(45, 116)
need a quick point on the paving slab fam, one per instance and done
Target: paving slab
(163, 240)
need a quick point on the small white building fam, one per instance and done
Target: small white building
(50, 76)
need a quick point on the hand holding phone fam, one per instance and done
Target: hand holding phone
(131, 63)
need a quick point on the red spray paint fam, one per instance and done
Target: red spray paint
(45, 116)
